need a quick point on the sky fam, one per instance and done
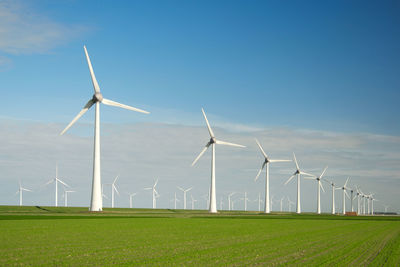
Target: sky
(316, 78)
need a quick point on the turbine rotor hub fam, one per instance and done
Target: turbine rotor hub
(97, 97)
(213, 140)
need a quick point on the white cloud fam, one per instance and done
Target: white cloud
(24, 31)
(142, 152)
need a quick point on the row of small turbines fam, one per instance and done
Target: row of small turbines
(97, 187)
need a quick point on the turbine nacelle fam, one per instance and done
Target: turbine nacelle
(97, 97)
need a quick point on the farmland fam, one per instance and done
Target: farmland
(73, 236)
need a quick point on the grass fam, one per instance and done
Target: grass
(75, 237)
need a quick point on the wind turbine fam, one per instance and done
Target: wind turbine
(344, 188)
(113, 188)
(298, 172)
(265, 164)
(221, 203)
(154, 193)
(66, 196)
(131, 196)
(184, 195)
(372, 204)
(193, 201)
(20, 190)
(259, 202)
(319, 186)
(333, 210)
(386, 207)
(102, 191)
(290, 204)
(96, 203)
(213, 141)
(229, 200)
(245, 199)
(56, 180)
(175, 200)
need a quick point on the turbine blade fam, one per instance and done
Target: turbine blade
(346, 181)
(279, 160)
(322, 174)
(116, 179)
(63, 183)
(148, 188)
(210, 131)
(155, 184)
(116, 104)
(291, 177)
(26, 189)
(116, 190)
(295, 160)
(187, 190)
(85, 108)
(94, 81)
(309, 178)
(180, 188)
(347, 194)
(308, 174)
(105, 196)
(320, 184)
(259, 172)
(49, 182)
(201, 153)
(261, 149)
(218, 142)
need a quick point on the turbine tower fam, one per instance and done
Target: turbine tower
(184, 195)
(229, 200)
(213, 141)
(193, 201)
(265, 164)
(344, 188)
(319, 186)
(20, 190)
(66, 197)
(298, 172)
(154, 193)
(333, 210)
(175, 199)
(96, 203)
(56, 180)
(131, 196)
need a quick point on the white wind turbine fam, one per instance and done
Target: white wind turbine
(102, 191)
(386, 207)
(154, 193)
(259, 202)
(319, 186)
(229, 200)
(113, 188)
(193, 201)
(184, 195)
(131, 196)
(290, 204)
(96, 203)
(20, 190)
(56, 180)
(281, 201)
(344, 188)
(333, 210)
(298, 172)
(213, 141)
(221, 203)
(175, 199)
(245, 199)
(265, 164)
(66, 196)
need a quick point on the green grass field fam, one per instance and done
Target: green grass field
(74, 237)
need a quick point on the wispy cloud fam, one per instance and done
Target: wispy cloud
(23, 30)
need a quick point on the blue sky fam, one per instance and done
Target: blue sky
(312, 66)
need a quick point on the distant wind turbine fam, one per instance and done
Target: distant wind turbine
(319, 186)
(213, 141)
(131, 196)
(56, 180)
(154, 193)
(20, 190)
(265, 164)
(96, 203)
(184, 195)
(333, 209)
(66, 196)
(229, 200)
(175, 200)
(193, 201)
(297, 173)
(113, 188)
(245, 199)
(290, 204)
